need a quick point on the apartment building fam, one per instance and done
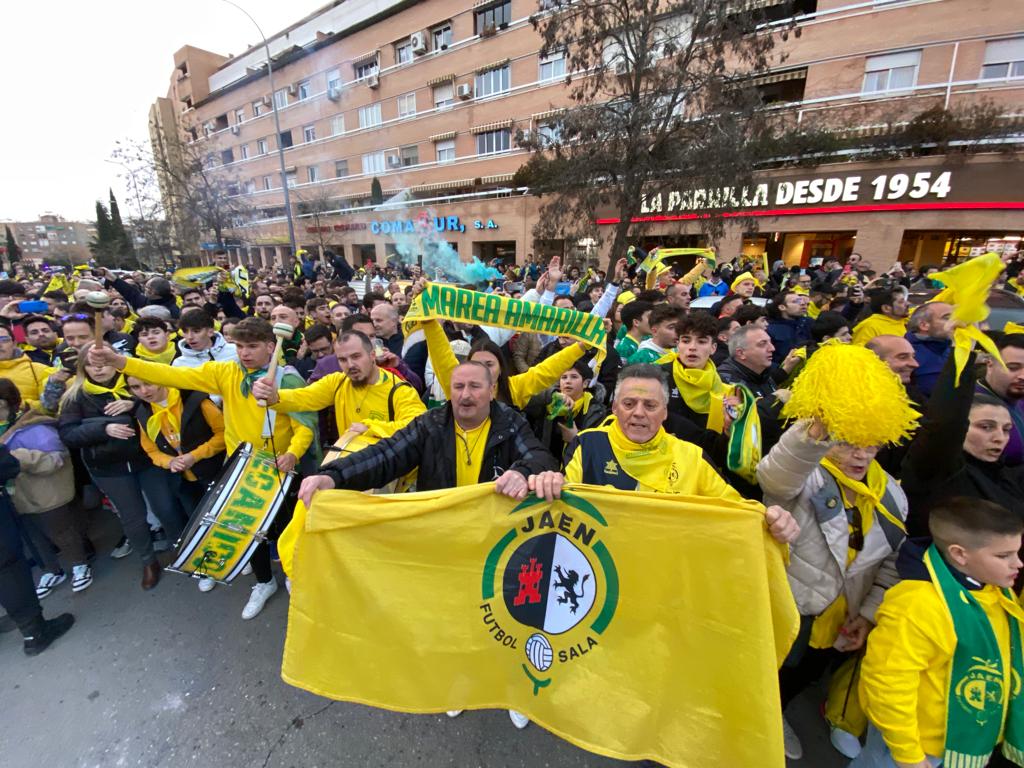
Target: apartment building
(426, 97)
(52, 239)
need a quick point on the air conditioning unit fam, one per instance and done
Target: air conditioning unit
(293, 89)
(267, 100)
(373, 81)
(394, 161)
(418, 40)
(236, 129)
(465, 91)
(527, 135)
(334, 94)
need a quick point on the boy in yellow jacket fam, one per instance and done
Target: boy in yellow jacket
(942, 677)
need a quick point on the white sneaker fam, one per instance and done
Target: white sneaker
(206, 584)
(247, 569)
(846, 743)
(288, 584)
(454, 712)
(48, 582)
(260, 594)
(81, 577)
(790, 741)
(519, 720)
(123, 548)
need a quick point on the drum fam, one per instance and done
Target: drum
(233, 517)
(352, 442)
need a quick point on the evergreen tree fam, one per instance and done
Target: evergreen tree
(376, 193)
(13, 250)
(103, 246)
(119, 235)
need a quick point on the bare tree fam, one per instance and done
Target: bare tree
(313, 207)
(662, 96)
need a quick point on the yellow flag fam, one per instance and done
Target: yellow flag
(635, 625)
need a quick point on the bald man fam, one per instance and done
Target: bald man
(387, 328)
(898, 354)
(930, 337)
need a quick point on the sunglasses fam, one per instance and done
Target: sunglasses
(76, 316)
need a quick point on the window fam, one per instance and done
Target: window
(290, 178)
(268, 182)
(250, 187)
(240, 116)
(337, 125)
(444, 95)
(494, 16)
(369, 116)
(334, 79)
(313, 173)
(284, 139)
(304, 90)
(309, 133)
(366, 68)
(893, 72)
(493, 81)
(549, 133)
(341, 168)
(445, 150)
(407, 104)
(493, 141)
(552, 66)
(227, 156)
(261, 146)
(373, 163)
(410, 155)
(1003, 58)
(243, 152)
(403, 52)
(442, 36)
(257, 108)
(281, 98)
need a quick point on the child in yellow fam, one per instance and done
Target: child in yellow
(941, 679)
(288, 436)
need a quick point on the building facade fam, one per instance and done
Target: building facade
(427, 98)
(52, 240)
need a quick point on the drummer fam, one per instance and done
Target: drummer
(245, 421)
(366, 398)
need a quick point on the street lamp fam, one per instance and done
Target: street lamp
(277, 129)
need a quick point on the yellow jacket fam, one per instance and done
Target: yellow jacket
(904, 680)
(522, 387)
(29, 377)
(244, 420)
(878, 325)
(366, 405)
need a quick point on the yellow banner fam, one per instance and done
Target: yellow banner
(440, 301)
(638, 626)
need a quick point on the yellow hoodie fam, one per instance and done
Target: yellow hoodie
(29, 377)
(904, 680)
(878, 325)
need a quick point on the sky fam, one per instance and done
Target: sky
(79, 76)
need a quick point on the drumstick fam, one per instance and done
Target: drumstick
(283, 331)
(99, 301)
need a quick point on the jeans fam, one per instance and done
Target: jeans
(17, 590)
(804, 665)
(876, 754)
(59, 528)
(172, 499)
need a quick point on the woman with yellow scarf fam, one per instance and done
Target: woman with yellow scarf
(852, 514)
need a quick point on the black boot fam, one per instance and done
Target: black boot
(44, 632)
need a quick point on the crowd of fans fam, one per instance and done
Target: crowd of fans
(144, 422)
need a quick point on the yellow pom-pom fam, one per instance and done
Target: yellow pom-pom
(857, 397)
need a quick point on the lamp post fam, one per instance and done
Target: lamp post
(277, 129)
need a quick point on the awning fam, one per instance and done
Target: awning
(444, 185)
(443, 136)
(742, 6)
(781, 77)
(492, 65)
(500, 178)
(545, 115)
(442, 79)
(491, 126)
(375, 54)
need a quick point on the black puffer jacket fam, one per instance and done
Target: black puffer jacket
(428, 443)
(537, 413)
(83, 427)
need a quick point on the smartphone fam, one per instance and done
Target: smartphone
(32, 307)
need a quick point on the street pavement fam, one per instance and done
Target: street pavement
(175, 678)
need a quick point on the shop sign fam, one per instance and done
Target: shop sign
(439, 223)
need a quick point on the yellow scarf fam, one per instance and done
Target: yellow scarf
(868, 497)
(119, 390)
(702, 391)
(582, 405)
(166, 418)
(648, 463)
(813, 310)
(165, 356)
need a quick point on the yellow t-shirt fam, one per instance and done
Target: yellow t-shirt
(469, 453)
